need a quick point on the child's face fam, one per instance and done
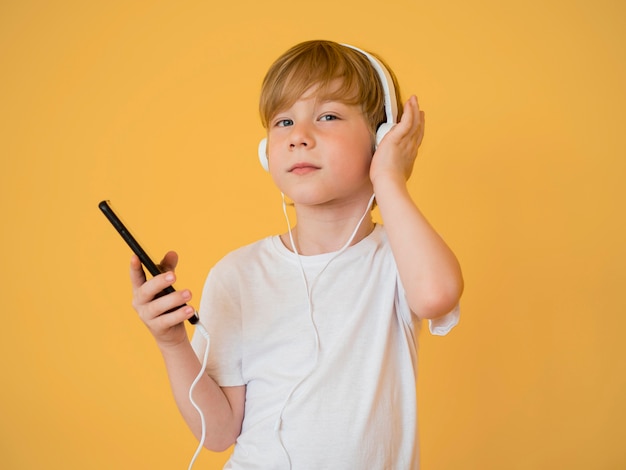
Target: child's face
(320, 151)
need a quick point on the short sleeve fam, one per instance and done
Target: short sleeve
(221, 317)
(441, 326)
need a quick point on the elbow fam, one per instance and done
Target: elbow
(225, 427)
(436, 301)
(222, 442)
(218, 447)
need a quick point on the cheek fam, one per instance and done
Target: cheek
(365, 141)
(272, 150)
(365, 148)
(358, 166)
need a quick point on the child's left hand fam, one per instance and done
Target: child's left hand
(396, 154)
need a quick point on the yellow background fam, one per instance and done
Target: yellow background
(153, 104)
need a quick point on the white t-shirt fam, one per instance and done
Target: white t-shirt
(328, 386)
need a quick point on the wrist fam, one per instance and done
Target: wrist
(173, 347)
(384, 181)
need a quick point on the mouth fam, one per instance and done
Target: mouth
(303, 168)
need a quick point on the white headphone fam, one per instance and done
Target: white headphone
(391, 106)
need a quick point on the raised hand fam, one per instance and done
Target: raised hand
(396, 153)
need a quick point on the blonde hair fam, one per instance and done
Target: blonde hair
(321, 63)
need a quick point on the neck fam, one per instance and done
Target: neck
(324, 230)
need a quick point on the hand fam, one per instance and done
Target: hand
(168, 329)
(397, 151)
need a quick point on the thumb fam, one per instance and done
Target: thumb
(169, 262)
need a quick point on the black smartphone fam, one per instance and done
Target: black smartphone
(151, 266)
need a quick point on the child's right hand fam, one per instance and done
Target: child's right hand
(167, 329)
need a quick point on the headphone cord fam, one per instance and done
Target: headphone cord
(202, 330)
(309, 292)
(205, 334)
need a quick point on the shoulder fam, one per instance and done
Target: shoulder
(259, 255)
(245, 254)
(378, 241)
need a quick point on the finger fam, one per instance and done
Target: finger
(169, 261)
(146, 293)
(415, 119)
(408, 121)
(172, 319)
(421, 128)
(414, 112)
(166, 303)
(419, 113)
(137, 274)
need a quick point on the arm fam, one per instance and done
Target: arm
(429, 271)
(223, 408)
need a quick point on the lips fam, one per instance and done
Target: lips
(303, 168)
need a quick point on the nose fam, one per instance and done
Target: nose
(301, 136)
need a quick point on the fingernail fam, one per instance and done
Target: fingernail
(169, 277)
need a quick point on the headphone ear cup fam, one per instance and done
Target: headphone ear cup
(383, 130)
(263, 155)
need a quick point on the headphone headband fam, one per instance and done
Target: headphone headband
(391, 106)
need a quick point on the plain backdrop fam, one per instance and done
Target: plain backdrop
(153, 105)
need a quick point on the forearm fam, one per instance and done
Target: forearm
(429, 270)
(223, 419)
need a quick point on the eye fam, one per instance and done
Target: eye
(328, 117)
(284, 123)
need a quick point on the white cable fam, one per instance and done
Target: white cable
(278, 425)
(356, 229)
(204, 333)
(309, 292)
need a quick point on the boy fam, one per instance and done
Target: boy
(313, 333)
